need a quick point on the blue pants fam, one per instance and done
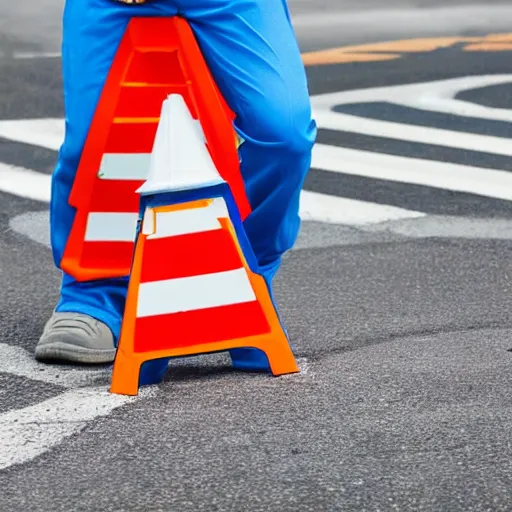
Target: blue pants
(251, 50)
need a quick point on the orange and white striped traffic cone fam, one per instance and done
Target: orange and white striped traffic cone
(194, 286)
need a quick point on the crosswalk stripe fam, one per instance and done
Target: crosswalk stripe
(334, 209)
(395, 113)
(46, 133)
(350, 212)
(314, 206)
(29, 432)
(446, 89)
(438, 96)
(445, 105)
(25, 183)
(458, 178)
(437, 136)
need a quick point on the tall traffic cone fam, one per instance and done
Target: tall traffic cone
(194, 285)
(156, 57)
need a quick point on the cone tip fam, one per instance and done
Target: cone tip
(180, 159)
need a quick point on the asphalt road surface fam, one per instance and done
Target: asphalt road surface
(397, 296)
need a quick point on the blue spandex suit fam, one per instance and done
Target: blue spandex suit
(252, 53)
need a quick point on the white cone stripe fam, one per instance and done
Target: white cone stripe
(443, 175)
(183, 222)
(111, 227)
(125, 166)
(194, 293)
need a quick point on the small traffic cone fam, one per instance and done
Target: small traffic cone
(194, 286)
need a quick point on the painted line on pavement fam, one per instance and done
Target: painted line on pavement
(25, 183)
(489, 47)
(416, 171)
(46, 133)
(437, 96)
(36, 55)
(49, 133)
(393, 50)
(34, 225)
(17, 361)
(313, 206)
(349, 212)
(436, 136)
(30, 432)
(29, 55)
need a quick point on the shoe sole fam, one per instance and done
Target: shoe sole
(59, 351)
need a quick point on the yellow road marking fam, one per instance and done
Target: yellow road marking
(338, 56)
(499, 37)
(391, 50)
(489, 47)
(411, 45)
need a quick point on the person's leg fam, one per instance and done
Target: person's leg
(251, 50)
(92, 31)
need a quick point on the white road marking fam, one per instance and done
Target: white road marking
(313, 206)
(443, 175)
(46, 133)
(440, 97)
(36, 55)
(25, 183)
(349, 212)
(411, 133)
(49, 133)
(17, 361)
(435, 96)
(445, 88)
(29, 432)
(295, 378)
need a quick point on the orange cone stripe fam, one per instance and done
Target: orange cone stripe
(121, 137)
(189, 255)
(199, 327)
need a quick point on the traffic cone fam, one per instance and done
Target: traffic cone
(156, 57)
(194, 285)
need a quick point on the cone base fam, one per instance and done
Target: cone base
(131, 374)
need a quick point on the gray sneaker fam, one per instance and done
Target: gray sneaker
(76, 338)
